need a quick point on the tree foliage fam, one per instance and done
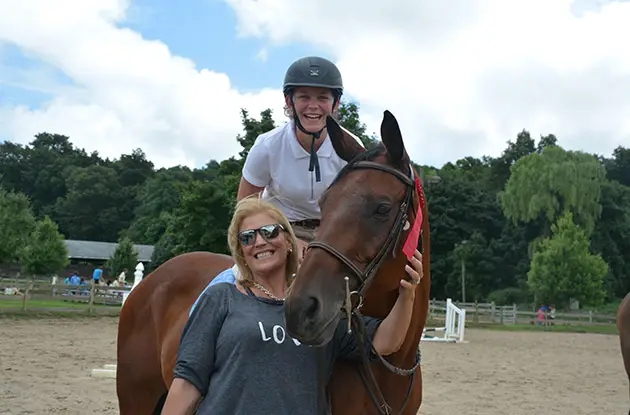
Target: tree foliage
(124, 258)
(349, 118)
(45, 252)
(553, 182)
(16, 224)
(563, 269)
(505, 207)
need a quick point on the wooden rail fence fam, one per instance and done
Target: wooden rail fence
(43, 296)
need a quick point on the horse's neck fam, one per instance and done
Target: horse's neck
(380, 299)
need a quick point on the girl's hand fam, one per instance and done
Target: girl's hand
(408, 288)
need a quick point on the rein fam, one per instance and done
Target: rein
(366, 277)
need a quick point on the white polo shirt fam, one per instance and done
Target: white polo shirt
(278, 163)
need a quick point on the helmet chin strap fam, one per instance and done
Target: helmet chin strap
(314, 161)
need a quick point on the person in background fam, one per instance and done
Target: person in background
(122, 277)
(96, 276)
(75, 279)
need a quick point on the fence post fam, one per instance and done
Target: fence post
(25, 296)
(138, 275)
(92, 293)
(515, 313)
(493, 310)
(476, 318)
(590, 316)
(54, 289)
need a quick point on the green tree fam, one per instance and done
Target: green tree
(133, 171)
(563, 269)
(101, 199)
(546, 141)
(612, 237)
(619, 167)
(90, 210)
(479, 275)
(253, 128)
(16, 224)
(462, 208)
(349, 118)
(45, 253)
(155, 203)
(125, 257)
(553, 182)
(45, 167)
(202, 219)
(523, 146)
(169, 246)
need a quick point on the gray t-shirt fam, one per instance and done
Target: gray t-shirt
(234, 349)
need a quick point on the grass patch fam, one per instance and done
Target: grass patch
(35, 303)
(17, 303)
(577, 328)
(40, 314)
(11, 308)
(597, 329)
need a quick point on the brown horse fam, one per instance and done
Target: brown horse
(366, 216)
(151, 323)
(623, 326)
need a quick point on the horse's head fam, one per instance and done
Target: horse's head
(364, 220)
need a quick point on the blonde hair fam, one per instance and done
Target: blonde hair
(253, 205)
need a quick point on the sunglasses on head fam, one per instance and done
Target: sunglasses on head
(268, 232)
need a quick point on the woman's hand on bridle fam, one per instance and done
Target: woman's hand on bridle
(415, 272)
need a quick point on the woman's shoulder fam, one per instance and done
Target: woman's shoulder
(220, 289)
(216, 292)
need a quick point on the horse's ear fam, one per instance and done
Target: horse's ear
(393, 141)
(345, 146)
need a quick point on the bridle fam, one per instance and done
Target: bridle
(367, 276)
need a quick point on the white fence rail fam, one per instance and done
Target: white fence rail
(491, 313)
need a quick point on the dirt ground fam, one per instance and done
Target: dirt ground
(45, 369)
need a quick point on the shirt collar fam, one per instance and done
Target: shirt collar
(325, 150)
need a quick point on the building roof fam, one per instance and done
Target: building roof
(102, 250)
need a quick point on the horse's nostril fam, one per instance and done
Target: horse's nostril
(312, 307)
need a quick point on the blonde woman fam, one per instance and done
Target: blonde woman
(235, 356)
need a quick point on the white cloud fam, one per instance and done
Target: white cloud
(463, 77)
(129, 92)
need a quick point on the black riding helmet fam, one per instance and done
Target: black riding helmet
(318, 72)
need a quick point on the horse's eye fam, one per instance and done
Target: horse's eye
(383, 209)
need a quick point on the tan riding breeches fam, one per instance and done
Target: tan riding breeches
(304, 236)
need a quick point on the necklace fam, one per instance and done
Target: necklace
(266, 291)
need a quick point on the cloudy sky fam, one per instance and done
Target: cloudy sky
(461, 76)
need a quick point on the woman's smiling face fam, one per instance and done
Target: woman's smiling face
(264, 255)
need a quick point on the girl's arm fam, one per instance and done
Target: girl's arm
(246, 189)
(392, 331)
(386, 335)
